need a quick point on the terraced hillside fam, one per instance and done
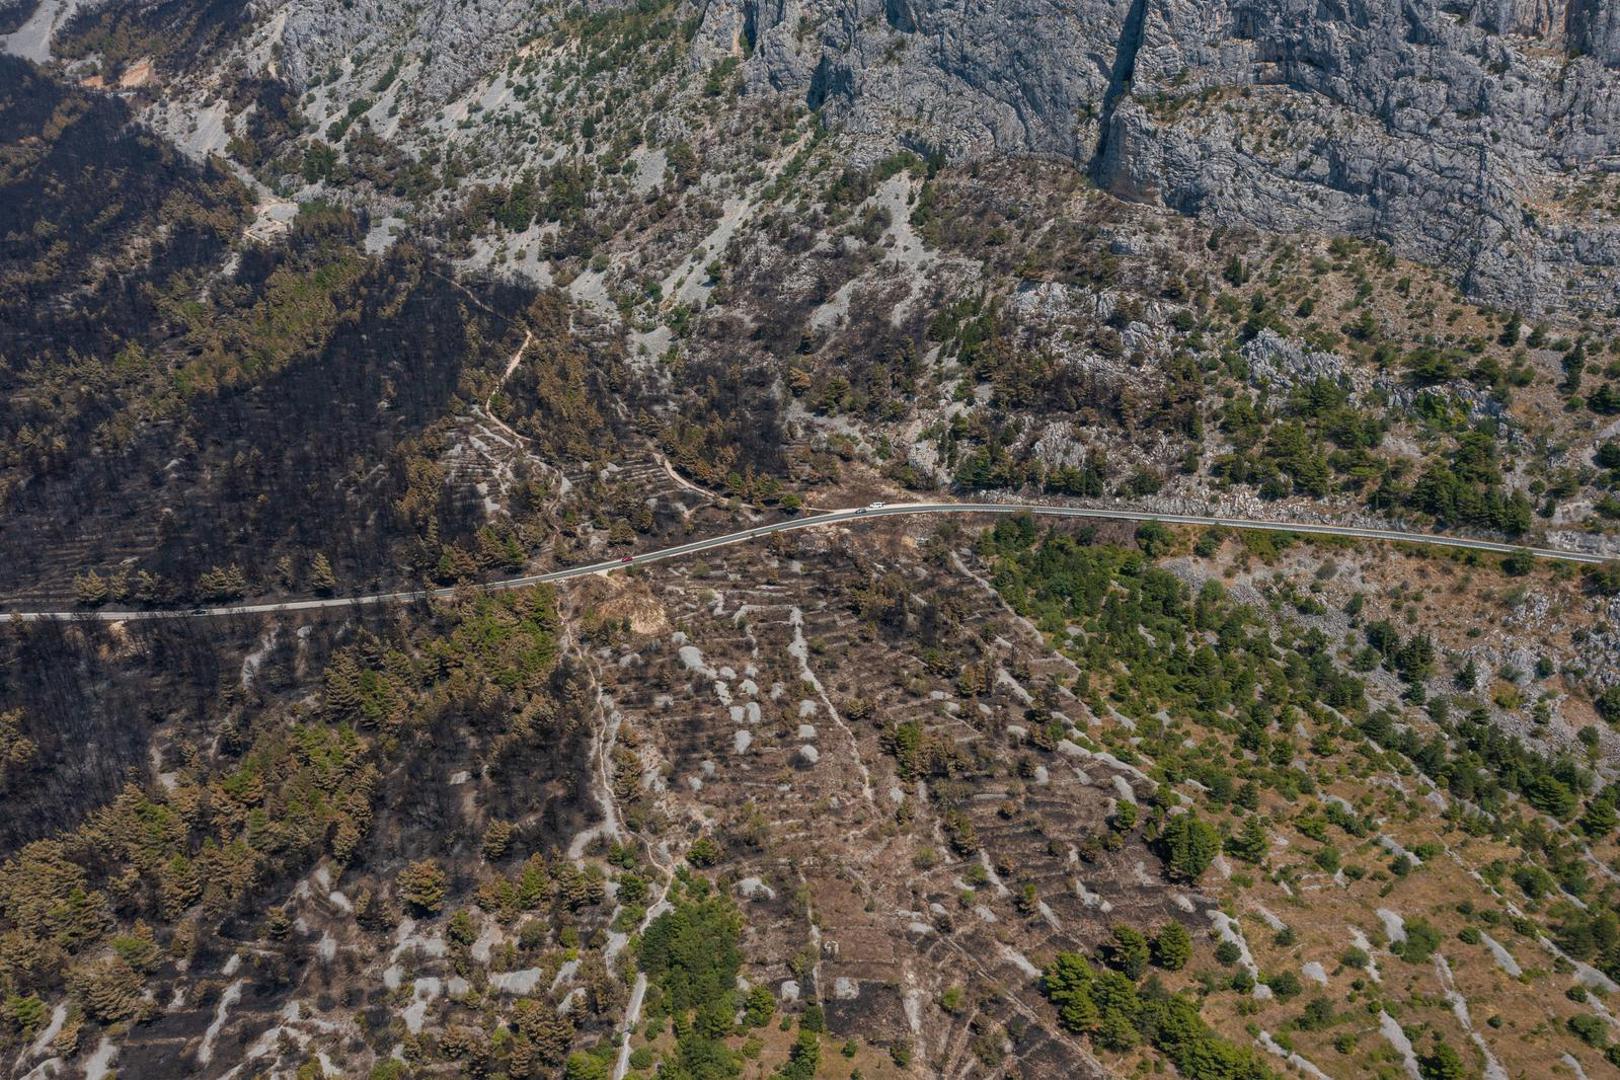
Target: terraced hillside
(910, 791)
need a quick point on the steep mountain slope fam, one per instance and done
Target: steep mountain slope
(301, 298)
(1477, 138)
(1456, 133)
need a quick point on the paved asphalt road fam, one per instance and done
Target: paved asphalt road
(809, 522)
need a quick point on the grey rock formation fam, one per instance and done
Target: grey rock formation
(1452, 131)
(455, 41)
(1417, 124)
(1285, 363)
(1457, 131)
(964, 77)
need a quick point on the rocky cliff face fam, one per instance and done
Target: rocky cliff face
(1426, 126)
(968, 79)
(1455, 132)
(455, 42)
(1479, 136)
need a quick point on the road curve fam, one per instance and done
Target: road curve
(810, 521)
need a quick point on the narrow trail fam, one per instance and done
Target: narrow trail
(511, 366)
(715, 496)
(523, 443)
(487, 409)
(674, 474)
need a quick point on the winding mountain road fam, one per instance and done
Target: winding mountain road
(811, 521)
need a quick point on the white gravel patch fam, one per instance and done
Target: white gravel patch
(515, 982)
(1020, 961)
(227, 1000)
(1503, 958)
(1229, 930)
(1269, 919)
(1271, 1046)
(1390, 1028)
(1459, 1009)
(99, 1064)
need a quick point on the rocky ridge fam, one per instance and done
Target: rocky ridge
(1447, 131)
(1482, 138)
